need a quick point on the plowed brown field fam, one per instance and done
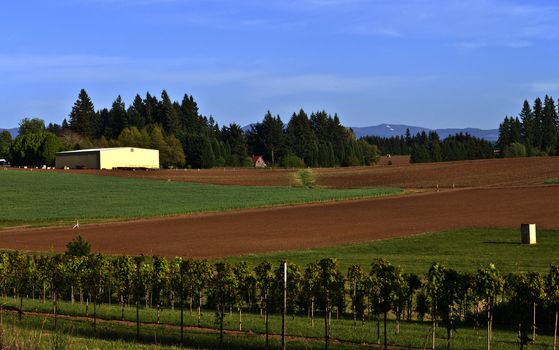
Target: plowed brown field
(274, 229)
(478, 173)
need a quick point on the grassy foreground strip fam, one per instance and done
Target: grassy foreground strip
(116, 335)
(78, 333)
(38, 333)
(463, 250)
(38, 197)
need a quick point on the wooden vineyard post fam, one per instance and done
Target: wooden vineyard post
(284, 311)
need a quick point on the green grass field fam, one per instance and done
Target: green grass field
(39, 198)
(79, 334)
(464, 250)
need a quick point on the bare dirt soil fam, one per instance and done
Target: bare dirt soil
(477, 173)
(297, 227)
(474, 173)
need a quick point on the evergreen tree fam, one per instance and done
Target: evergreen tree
(190, 120)
(151, 109)
(274, 136)
(527, 118)
(435, 147)
(104, 127)
(420, 153)
(199, 152)
(235, 138)
(538, 117)
(169, 118)
(136, 113)
(504, 134)
(549, 126)
(83, 117)
(408, 138)
(338, 138)
(515, 131)
(118, 119)
(301, 138)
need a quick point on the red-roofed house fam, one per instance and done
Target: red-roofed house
(258, 162)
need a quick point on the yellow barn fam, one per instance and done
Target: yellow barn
(109, 158)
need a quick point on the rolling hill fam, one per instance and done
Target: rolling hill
(13, 131)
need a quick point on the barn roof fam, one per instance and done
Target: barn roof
(89, 150)
(255, 158)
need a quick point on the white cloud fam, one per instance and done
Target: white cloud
(187, 71)
(545, 86)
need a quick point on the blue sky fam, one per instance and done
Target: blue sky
(445, 63)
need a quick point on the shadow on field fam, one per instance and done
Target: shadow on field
(502, 243)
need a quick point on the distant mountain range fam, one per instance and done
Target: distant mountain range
(13, 131)
(389, 130)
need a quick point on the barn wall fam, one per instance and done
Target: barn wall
(129, 158)
(89, 160)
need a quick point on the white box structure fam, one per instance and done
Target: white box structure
(528, 233)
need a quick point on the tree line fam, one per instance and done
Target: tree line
(428, 147)
(443, 295)
(187, 138)
(534, 132)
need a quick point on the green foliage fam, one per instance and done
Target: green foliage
(429, 148)
(5, 143)
(515, 149)
(395, 145)
(199, 151)
(59, 341)
(552, 285)
(31, 126)
(230, 286)
(35, 149)
(370, 152)
(78, 247)
(304, 178)
(489, 282)
(292, 161)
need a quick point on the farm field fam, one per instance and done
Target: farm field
(463, 250)
(504, 172)
(465, 227)
(37, 198)
(305, 226)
